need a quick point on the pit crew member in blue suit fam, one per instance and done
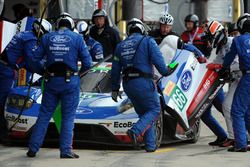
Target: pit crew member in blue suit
(240, 110)
(17, 54)
(62, 49)
(134, 58)
(95, 48)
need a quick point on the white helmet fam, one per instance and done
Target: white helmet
(135, 23)
(44, 28)
(243, 23)
(166, 19)
(66, 20)
(82, 27)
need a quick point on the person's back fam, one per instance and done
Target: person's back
(142, 48)
(15, 49)
(61, 49)
(242, 48)
(63, 44)
(17, 54)
(134, 58)
(241, 102)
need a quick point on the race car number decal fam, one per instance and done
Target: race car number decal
(179, 98)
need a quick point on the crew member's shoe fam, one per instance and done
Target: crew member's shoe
(69, 155)
(133, 138)
(151, 150)
(217, 142)
(31, 154)
(234, 149)
(227, 143)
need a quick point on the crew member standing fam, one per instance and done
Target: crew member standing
(17, 55)
(61, 49)
(241, 101)
(134, 58)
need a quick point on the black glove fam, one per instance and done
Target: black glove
(116, 94)
(224, 74)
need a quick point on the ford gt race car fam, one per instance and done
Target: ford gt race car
(184, 97)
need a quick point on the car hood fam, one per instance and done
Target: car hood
(101, 106)
(91, 105)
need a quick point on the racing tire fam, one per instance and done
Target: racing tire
(159, 130)
(196, 132)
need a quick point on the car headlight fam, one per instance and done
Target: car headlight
(17, 101)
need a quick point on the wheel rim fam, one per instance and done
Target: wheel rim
(159, 130)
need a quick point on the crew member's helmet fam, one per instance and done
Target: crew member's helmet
(82, 28)
(41, 27)
(243, 23)
(65, 20)
(218, 33)
(192, 18)
(166, 19)
(135, 25)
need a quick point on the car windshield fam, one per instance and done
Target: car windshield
(98, 80)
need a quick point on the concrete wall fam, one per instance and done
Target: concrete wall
(221, 10)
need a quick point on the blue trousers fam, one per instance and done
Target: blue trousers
(210, 121)
(142, 93)
(5, 87)
(55, 90)
(240, 112)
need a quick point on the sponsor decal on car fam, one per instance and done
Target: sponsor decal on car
(169, 88)
(86, 96)
(12, 118)
(202, 110)
(123, 124)
(119, 132)
(179, 98)
(82, 110)
(100, 69)
(194, 64)
(186, 80)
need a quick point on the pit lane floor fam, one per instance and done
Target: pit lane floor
(174, 155)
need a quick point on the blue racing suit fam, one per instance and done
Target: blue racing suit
(16, 55)
(240, 110)
(140, 52)
(209, 119)
(63, 48)
(95, 49)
